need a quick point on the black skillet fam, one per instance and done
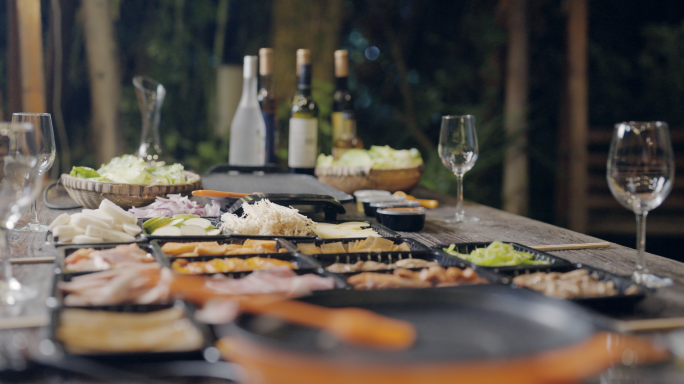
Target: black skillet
(452, 324)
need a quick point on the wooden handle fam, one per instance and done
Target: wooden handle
(350, 325)
(650, 325)
(24, 322)
(210, 193)
(565, 247)
(354, 326)
(429, 204)
(32, 260)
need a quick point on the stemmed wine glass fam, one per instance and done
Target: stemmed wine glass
(458, 151)
(45, 146)
(640, 176)
(20, 182)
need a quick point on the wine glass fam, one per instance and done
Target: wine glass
(458, 151)
(45, 146)
(640, 176)
(20, 182)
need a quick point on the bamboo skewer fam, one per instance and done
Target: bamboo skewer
(650, 325)
(32, 260)
(565, 247)
(24, 322)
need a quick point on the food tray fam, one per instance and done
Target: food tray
(68, 249)
(138, 356)
(305, 264)
(272, 183)
(157, 244)
(419, 251)
(557, 263)
(215, 221)
(620, 303)
(377, 227)
(51, 239)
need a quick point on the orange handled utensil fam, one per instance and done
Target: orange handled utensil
(353, 326)
(423, 203)
(210, 193)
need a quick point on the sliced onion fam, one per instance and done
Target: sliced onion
(176, 205)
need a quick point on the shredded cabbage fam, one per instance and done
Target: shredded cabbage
(267, 219)
(376, 157)
(497, 254)
(131, 169)
(176, 205)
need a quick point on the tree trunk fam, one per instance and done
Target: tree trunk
(313, 25)
(29, 27)
(578, 115)
(515, 178)
(105, 84)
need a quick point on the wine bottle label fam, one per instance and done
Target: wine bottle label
(303, 143)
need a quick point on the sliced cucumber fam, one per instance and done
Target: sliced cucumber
(192, 230)
(213, 232)
(185, 216)
(157, 222)
(202, 223)
(168, 231)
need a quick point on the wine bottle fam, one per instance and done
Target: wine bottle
(269, 106)
(343, 117)
(303, 138)
(248, 131)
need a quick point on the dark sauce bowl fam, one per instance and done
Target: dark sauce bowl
(392, 204)
(405, 219)
(367, 201)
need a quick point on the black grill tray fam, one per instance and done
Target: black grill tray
(139, 356)
(418, 251)
(68, 249)
(215, 221)
(619, 304)
(379, 228)
(557, 263)
(272, 183)
(166, 259)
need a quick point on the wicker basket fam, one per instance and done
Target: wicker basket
(350, 179)
(90, 193)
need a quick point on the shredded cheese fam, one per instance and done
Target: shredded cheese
(267, 219)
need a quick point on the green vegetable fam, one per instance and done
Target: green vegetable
(376, 157)
(131, 169)
(84, 172)
(497, 254)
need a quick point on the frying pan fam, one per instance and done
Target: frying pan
(458, 330)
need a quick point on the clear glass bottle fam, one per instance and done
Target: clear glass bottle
(303, 137)
(269, 105)
(150, 95)
(343, 118)
(248, 130)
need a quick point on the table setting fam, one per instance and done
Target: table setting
(142, 271)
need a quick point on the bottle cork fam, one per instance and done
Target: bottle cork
(341, 63)
(266, 61)
(303, 57)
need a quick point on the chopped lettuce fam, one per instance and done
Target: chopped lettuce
(376, 157)
(131, 169)
(497, 254)
(84, 173)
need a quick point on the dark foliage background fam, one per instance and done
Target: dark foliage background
(411, 62)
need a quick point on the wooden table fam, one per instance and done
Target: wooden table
(494, 225)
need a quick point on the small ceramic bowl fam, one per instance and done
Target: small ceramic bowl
(366, 201)
(367, 193)
(405, 219)
(392, 204)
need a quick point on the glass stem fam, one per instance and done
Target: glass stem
(34, 214)
(6, 275)
(641, 243)
(460, 214)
